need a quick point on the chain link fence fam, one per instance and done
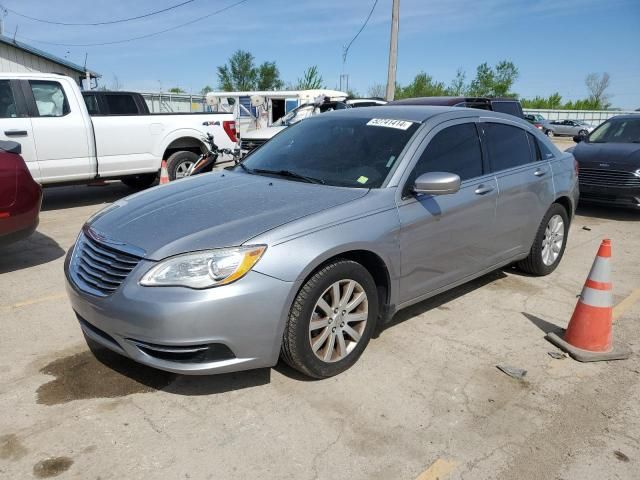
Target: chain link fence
(594, 117)
(174, 102)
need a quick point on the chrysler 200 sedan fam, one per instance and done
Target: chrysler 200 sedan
(318, 237)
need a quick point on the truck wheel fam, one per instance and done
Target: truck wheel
(331, 320)
(549, 244)
(140, 182)
(179, 162)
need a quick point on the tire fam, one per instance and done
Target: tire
(583, 133)
(179, 162)
(543, 261)
(331, 356)
(550, 133)
(140, 182)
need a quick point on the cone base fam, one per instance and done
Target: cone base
(616, 353)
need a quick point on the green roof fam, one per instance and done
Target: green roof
(35, 51)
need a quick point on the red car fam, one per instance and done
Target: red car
(20, 195)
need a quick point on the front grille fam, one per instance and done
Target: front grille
(608, 178)
(98, 269)
(249, 144)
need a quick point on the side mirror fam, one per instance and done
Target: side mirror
(437, 183)
(578, 138)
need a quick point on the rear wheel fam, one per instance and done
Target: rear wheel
(583, 133)
(331, 320)
(179, 162)
(140, 182)
(548, 246)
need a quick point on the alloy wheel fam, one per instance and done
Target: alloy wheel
(183, 168)
(338, 320)
(553, 240)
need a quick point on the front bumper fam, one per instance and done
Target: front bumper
(622, 197)
(234, 327)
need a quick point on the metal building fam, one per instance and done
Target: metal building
(16, 56)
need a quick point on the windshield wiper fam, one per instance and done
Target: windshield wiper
(290, 174)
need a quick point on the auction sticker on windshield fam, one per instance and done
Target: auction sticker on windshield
(389, 123)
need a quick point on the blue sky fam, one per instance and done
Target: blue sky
(555, 43)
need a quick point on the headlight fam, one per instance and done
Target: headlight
(208, 268)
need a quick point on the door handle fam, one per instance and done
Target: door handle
(540, 172)
(15, 133)
(483, 189)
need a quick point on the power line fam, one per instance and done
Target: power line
(121, 20)
(228, 7)
(346, 49)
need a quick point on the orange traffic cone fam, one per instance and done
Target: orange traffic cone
(588, 337)
(164, 174)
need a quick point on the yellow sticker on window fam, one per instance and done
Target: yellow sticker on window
(363, 180)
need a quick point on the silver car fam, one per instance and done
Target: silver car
(319, 237)
(568, 127)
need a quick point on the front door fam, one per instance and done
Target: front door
(446, 238)
(15, 124)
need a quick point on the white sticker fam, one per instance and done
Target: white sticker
(389, 123)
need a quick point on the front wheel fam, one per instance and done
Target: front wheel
(549, 244)
(583, 133)
(331, 320)
(179, 163)
(550, 133)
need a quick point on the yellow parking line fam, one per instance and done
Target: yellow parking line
(626, 304)
(33, 301)
(438, 470)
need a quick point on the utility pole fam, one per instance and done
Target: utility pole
(393, 50)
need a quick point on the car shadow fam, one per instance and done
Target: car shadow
(441, 299)
(34, 250)
(608, 213)
(60, 198)
(119, 371)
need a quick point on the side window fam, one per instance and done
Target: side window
(455, 149)
(50, 98)
(91, 101)
(533, 146)
(508, 146)
(7, 101)
(121, 104)
(545, 151)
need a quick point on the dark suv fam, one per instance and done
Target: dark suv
(497, 104)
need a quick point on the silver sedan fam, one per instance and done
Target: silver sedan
(318, 237)
(568, 127)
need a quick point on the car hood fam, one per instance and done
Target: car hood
(615, 155)
(262, 133)
(211, 211)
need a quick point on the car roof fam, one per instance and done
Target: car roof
(419, 113)
(628, 116)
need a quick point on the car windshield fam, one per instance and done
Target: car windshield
(355, 152)
(622, 130)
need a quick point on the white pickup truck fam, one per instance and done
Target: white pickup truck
(62, 143)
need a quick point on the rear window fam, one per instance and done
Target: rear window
(336, 150)
(512, 108)
(91, 101)
(121, 104)
(508, 146)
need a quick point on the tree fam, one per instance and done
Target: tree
(377, 90)
(206, 89)
(241, 74)
(269, 77)
(597, 84)
(311, 79)
(553, 101)
(494, 82)
(423, 85)
(458, 86)
(176, 90)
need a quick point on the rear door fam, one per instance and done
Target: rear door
(445, 238)
(15, 124)
(59, 131)
(524, 181)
